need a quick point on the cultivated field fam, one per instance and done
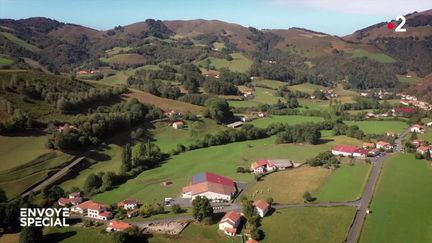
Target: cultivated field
(127, 59)
(240, 63)
(379, 57)
(305, 225)
(401, 203)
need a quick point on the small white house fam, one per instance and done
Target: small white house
(230, 222)
(117, 225)
(128, 204)
(417, 128)
(429, 124)
(178, 124)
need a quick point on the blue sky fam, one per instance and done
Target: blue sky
(338, 17)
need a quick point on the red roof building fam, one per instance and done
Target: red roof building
(230, 222)
(212, 186)
(117, 225)
(261, 207)
(344, 150)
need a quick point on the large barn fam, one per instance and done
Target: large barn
(212, 186)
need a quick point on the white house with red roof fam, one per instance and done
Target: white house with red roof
(361, 153)
(424, 149)
(262, 167)
(417, 128)
(344, 150)
(209, 185)
(93, 210)
(230, 222)
(128, 204)
(117, 225)
(261, 207)
(384, 145)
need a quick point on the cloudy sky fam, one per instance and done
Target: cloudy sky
(338, 17)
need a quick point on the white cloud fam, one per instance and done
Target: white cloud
(380, 7)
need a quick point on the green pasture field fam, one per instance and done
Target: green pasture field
(4, 61)
(306, 225)
(240, 63)
(131, 59)
(379, 127)
(306, 87)
(379, 57)
(344, 184)
(223, 159)
(16, 180)
(401, 203)
(293, 120)
(274, 84)
(77, 233)
(408, 80)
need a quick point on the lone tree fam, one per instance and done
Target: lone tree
(202, 208)
(308, 197)
(147, 210)
(31, 235)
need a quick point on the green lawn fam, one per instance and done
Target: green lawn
(379, 127)
(401, 205)
(427, 136)
(345, 183)
(20, 42)
(379, 57)
(274, 84)
(306, 87)
(293, 120)
(121, 76)
(307, 225)
(240, 63)
(222, 159)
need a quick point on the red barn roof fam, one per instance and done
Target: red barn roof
(345, 148)
(261, 204)
(231, 217)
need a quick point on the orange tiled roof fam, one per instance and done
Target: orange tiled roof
(117, 224)
(231, 217)
(261, 204)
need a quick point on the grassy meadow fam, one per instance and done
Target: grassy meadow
(379, 57)
(305, 225)
(401, 203)
(344, 184)
(20, 42)
(292, 120)
(380, 127)
(223, 159)
(240, 63)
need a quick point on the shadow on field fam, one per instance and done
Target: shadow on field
(57, 237)
(324, 141)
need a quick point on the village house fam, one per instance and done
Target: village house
(83, 72)
(214, 187)
(178, 124)
(344, 150)
(261, 207)
(117, 225)
(245, 119)
(128, 204)
(73, 199)
(384, 145)
(261, 114)
(423, 150)
(429, 124)
(66, 127)
(262, 167)
(282, 164)
(361, 153)
(374, 152)
(391, 134)
(229, 223)
(92, 210)
(417, 143)
(368, 145)
(417, 128)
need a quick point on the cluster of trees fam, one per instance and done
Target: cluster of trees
(157, 88)
(308, 132)
(235, 78)
(196, 99)
(218, 109)
(215, 86)
(286, 93)
(326, 159)
(92, 128)
(351, 131)
(18, 122)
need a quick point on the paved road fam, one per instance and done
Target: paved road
(53, 178)
(364, 202)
